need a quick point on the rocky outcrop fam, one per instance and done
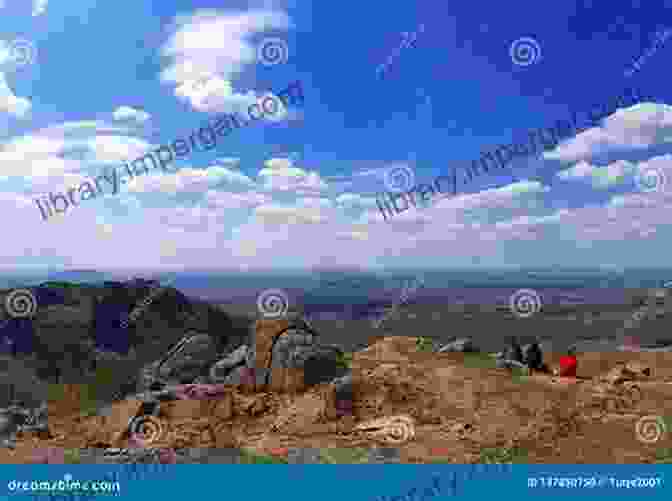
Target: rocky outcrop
(176, 353)
(75, 331)
(284, 355)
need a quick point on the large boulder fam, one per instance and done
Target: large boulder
(284, 355)
(195, 354)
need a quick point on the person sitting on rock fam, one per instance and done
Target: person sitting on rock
(512, 356)
(533, 356)
(568, 364)
(513, 351)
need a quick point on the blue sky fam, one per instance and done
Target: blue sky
(109, 80)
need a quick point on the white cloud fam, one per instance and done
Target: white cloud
(209, 48)
(9, 103)
(286, 215)
(39, 7)
(355, 201)
(610, 175)
(132, 114)
(59, 157)
(226, 201)
(216, 95)
(275, 215)
(632, 129)
(188, 180)
(279, 174)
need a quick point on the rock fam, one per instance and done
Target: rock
(283, 355)
(193, 355)
(638, 371)
(631, 371)
(382, 455)
(77, 329)
(221, 369)
(462, 345)
(305, 366)
(8, 424)
(148, 379)
(248, 377)
(303, 455)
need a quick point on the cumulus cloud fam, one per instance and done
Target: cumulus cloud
(281, 175)
(215, 95)
(188, 180)
(280, 213)
(632, 129)
(210, 48)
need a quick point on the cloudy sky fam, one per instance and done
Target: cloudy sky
(88, 84)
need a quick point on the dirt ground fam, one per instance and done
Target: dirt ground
(462, 410)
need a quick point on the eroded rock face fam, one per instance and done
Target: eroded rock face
(285, 356)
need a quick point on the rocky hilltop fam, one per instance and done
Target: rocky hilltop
(100, 370)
